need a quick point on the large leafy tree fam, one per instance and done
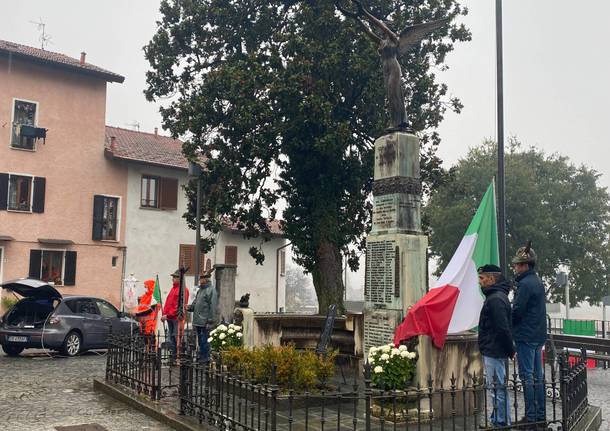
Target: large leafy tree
(559, 206)
(284, 99)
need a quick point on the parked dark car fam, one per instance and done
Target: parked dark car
(46, 319)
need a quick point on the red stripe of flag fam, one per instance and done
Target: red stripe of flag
(429, 316)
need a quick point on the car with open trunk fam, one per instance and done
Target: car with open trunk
(44, 318)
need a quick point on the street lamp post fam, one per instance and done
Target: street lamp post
(562, 281)
(195, 172)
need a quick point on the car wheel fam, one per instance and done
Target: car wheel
(72, 344)
(12, 350)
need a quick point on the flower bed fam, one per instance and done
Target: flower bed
(295, 369)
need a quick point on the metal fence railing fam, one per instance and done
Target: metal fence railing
(144, 364)
(211, 395)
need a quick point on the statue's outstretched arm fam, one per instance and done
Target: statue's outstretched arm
(355, 16)
(415, 33)
(376, 22)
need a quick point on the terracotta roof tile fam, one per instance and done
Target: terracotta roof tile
(54, 58)
(274, 227)
(145, 148)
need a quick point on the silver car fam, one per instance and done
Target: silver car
(46, 319)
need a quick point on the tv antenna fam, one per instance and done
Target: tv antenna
(44, 38)
(135, 126)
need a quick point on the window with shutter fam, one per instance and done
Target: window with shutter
(20, 192)
(231, 255)
(105, 218)
(52, 265)
(149, 192)
(24, 114)
(110, 218)
(168, 193)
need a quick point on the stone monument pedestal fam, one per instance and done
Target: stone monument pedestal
(459, 361)
(396, 267)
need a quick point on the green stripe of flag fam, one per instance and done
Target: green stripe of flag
(484, 225)
(157, 291)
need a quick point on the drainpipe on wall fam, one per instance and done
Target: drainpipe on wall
(277, 276)
(124, 249)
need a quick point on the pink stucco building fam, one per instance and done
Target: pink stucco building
(62, 215)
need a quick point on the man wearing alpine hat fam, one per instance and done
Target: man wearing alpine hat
(529, 332)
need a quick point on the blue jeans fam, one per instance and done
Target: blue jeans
(529, 358)
(172, 326)
(204, 346)
(495, 377)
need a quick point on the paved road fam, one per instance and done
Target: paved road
(40, 393)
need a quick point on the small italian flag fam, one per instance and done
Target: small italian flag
(156, 299)
(454, 303)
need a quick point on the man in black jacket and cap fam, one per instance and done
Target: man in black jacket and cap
(495, 340)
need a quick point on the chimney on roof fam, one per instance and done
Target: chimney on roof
(156, 131)
(82, 57)
(112, 143)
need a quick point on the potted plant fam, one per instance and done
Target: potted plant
(392, 372)
(222, 337)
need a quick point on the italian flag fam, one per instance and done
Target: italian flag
(156, 299)
(454, 303)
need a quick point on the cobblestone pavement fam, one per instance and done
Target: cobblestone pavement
(41, 393)
(38, 392)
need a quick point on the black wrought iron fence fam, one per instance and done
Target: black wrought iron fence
(144, 364)
(573, 389)
(210, 394)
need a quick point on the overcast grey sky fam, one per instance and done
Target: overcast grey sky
(556, 70)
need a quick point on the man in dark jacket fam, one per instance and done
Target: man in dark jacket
(204, 314)
(529, 331)
(495, 339)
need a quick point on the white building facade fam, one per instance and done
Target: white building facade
(157, 237)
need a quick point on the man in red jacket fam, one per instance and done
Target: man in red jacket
(170, 310)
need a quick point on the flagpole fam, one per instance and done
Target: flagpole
(500, 112)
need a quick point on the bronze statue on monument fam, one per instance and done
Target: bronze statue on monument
(391, 45)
